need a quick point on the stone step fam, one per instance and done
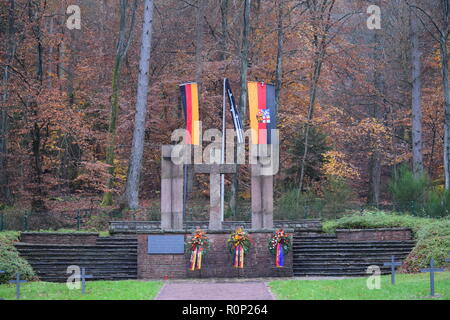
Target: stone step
(95, 272)
(70, 247)
(91, 264)
(308, 229)
(361, 247)
(351, 243)
(342, 263)
(119, 238)
(327, 273)
(318, 259)
(112, 258)
(300, 235)
(336, 269)
(59, 279)
(346, 255)
(118, 259)
(72, 250)
(351, 249)
(115, 243)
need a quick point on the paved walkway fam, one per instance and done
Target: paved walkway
(214, 291)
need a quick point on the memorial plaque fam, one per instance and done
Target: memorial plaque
(163, 244)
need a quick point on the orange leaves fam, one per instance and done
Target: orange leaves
(336, 164)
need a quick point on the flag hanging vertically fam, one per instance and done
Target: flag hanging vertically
(263, 111)
(234, 113)
(189, 101)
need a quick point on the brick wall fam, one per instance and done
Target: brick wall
(59, 238)
(216, 264)
(391, 234)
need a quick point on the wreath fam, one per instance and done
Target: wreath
(239, 238)
(282, 238)
(198, 240)
(198, 246)
(238, 244)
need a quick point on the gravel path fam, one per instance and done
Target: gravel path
(214, 291)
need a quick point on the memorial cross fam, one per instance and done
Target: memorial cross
(392, 264)
(84, 276)
(432, 270)
(17, 282)
(214, 171)
(1, 271)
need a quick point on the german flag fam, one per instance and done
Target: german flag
(189, 101)
(263, 111)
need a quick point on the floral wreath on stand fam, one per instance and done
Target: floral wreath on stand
(279, 245)
(198, 245)
(238, 244)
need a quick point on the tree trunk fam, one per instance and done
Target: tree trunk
(416, 93)
(122, 48)
(321, 24)
(280, 40)
(224, 22)
(243, 95)
(199, 44)
(375, 158)
(312, 101)
(5, 190)
(445, 87)
(374, 179)
(134, 170)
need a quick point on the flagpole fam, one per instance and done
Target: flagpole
(222, 155)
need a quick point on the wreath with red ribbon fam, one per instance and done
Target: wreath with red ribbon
(198, 245)
(279, 245)
(239, 244)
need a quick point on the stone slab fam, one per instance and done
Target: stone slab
(215, 291)
(215, 168)
(165, 244)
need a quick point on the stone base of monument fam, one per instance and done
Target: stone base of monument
(169, 262)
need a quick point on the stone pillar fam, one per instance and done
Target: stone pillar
(214, 171)
(267, 203)
(256, 194)
(171, 191)
(264, 160)
(215, 217)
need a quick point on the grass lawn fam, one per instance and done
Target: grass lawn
(407, 287)
(95, 290)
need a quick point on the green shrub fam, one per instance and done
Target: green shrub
(432, 235)
(431, 229)
(292, 205)
(336, 195)
(434, 247)
(438, 203)
(375, 219)
(10, 261)
(408, 191)
(317, 147)
(98, 222)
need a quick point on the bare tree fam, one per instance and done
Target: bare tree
(137, 148)
(243, 57)
(416, 94)
(437, 24)
(123, 43)
(320, 12)
(5, 191)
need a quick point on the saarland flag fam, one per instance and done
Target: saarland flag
(189, 101)
(263, 111)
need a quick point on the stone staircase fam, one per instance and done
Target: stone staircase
(319, 254)
(111, 258)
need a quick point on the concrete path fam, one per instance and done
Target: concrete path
(214, 291)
